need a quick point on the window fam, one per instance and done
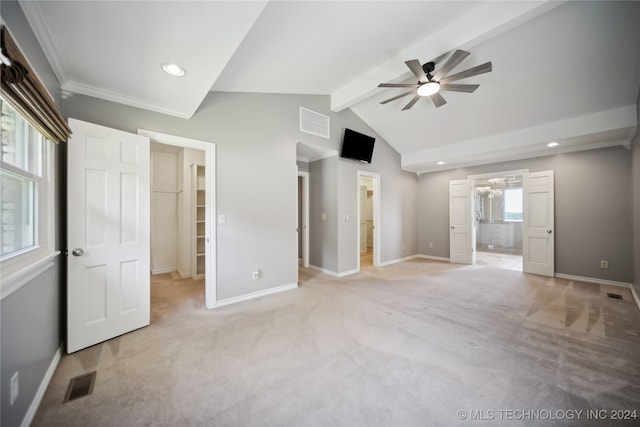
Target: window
(27, 218)
(30, 126)
(513, 204)
(21, 183)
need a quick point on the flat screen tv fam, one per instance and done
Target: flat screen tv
(357, 146)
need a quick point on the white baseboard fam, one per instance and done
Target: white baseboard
(37, 399)
(257, 294)
(592, 280)
(324, 270)
(155, 271)
(395, 261)
(602, 282)
(183, 275)
(434, 258)
(334, 273)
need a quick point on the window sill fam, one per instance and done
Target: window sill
(22, 270)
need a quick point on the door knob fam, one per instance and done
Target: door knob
(549, 231)
(453, 227)
(77, 252)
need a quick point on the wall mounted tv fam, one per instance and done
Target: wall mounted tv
(357, 146)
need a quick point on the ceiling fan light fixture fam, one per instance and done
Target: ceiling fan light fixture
(429, 88)
(174, 70)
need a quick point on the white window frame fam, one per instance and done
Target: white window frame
(23, 266)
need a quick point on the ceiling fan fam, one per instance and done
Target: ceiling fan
(431, 85)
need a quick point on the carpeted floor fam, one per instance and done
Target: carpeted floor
(418, 343)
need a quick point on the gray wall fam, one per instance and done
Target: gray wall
(593, 210)
(334, 190)
(255, 137)
(32, 325)
(635, 179)
(323, 198)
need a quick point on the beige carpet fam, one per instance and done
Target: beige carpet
(411, 344)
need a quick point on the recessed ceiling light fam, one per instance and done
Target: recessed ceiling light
(553, 144)
(173, 70)
(440, 162)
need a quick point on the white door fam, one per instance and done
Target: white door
(108, 234)
(538, 225)
(461, 235)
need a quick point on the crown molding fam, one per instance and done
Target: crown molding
(82, 89)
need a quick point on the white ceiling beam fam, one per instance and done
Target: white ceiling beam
(466, 32)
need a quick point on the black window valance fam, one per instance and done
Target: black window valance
(23, 90)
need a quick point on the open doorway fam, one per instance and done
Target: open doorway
(368, 216)
(194, 190)
(498, 220)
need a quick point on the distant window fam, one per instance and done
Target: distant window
(513, 204)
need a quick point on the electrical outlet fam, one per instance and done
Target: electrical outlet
(14, 389)
(256, 275)
(430, 245)
(604, 263)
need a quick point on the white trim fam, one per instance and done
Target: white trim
(304, 227)
(433, 258)
(184, 276)
(593, 280)
(376, 217)
(83, 89)
(498, 174)
(37, 399)
(257, 294)
(395, 261)
(155, 271)
(324, 270)
(334, 273)
(209, 149)
(36, 20)
(24, 272)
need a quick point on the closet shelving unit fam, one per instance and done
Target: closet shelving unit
(198, 213)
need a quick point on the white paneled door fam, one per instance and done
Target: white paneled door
(461, 233)
(108, 234)
(538, 227)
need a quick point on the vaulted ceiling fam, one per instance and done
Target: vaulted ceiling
(562, 71)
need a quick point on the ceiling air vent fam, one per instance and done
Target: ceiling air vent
(314, 123)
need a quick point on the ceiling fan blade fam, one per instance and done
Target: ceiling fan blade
(438, 100)
(413, 85)
(416, 68)
(453, 87)
(413, 101)
(474, 71)
(455, 59)
(399, 96)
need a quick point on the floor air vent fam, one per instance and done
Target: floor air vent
(614, 296)
(80, 386)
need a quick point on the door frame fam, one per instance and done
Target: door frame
(209, 148)
(376, 216)
(304, 227)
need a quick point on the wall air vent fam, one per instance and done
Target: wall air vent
(314, 123)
